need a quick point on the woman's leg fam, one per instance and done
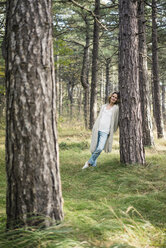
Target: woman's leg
(102, 138)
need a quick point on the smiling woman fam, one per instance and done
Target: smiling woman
(102, 133)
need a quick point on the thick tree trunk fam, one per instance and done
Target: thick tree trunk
(143, 78)
(93, 99)
(155, 73)
(32, 157)
(131, 138)
(85, 74)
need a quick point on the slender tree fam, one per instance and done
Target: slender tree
(60, 98)
(93, 99)
(85, 72)
(70, 89)
(32, 157)
(57, 84)
(108, 87)
(155, 74)
(143, 78)
(163, 87)
(131, 138)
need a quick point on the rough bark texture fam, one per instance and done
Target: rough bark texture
(93, 99)
(131, 140)
(155, 74)
(32, 156)
(85, 74)
(143, 78)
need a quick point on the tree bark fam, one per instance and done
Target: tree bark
(79, 102)
(131, 138)
(60, 98)
(32, 156)
(143, 78)
(70, 88)
(163, 101)
(108, 87)
(2, 106)
(155, 74)
(85, 74)
(102, 86)
(93, 99)
(57, 81)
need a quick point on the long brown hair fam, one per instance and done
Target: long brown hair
(117, 93)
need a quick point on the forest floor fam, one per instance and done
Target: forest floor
(112, 205)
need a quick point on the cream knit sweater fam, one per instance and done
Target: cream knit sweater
(113, 128)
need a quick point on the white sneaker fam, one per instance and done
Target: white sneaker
(86, 165)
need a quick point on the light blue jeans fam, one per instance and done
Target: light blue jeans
(102, 138)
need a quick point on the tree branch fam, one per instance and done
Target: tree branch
(90, 11)
(72, 41)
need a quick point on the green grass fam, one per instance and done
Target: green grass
(113, 205)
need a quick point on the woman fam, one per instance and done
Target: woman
(105, 125)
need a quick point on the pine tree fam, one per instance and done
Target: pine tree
(32, 158)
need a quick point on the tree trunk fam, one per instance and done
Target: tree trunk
(131, 138)
(163, 101)
(93, 100)
(85, 74)
(70, 88)
(101, 84)
(79, 102)
(155, 73)
(57, 80)
(60, 98)
(143, 78)
(32, 157)
(108, 87)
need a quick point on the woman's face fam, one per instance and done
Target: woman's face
(114, 98)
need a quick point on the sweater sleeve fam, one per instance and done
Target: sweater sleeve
(116, 120)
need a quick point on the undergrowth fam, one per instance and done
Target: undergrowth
(112, 205)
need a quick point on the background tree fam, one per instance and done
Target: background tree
(163, 87)
(93, 99)
(32, 156)
(155, 74)
(2, 55)
(143, 78)
(85, 71)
